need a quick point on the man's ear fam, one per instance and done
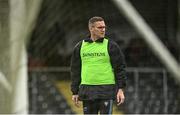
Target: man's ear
(90, 28)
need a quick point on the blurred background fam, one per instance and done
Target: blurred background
(56, 27)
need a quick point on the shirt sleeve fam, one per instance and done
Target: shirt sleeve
(76, 69)
(118, 63)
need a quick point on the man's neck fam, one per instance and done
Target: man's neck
(93, 38)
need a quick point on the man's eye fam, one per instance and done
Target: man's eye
(101, 27)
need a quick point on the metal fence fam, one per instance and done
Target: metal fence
(149, 90)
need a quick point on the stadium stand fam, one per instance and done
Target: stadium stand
(44, 97)
(146, 94)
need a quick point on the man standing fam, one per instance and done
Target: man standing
(97, 71)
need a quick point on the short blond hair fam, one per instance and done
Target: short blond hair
(95, 19)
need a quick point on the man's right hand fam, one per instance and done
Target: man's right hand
(76, 100)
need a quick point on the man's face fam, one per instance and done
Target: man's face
(98, 29)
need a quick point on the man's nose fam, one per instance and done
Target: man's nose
(103, 30)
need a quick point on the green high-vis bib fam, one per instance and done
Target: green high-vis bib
(96, 67)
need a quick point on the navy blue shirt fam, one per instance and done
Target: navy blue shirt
(117, 61)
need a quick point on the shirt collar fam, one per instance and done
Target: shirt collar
(100, 40)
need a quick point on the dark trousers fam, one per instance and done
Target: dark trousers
(99, 105)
